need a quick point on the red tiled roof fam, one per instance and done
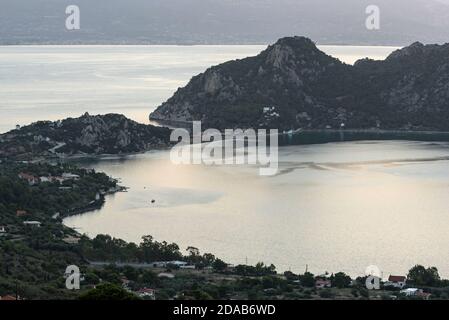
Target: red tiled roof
(322, 281)
(146, 290)
(20, 213)
(8, 298)
(425, 295)
(396, 278)
(27, 176)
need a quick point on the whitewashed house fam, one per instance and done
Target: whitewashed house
(70, 176)
(32, 223)
(146, 293)
(415, 292)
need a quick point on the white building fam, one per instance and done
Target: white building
(71, 240)
(70, 176)
(178, 263)
(270, 112)
(409, 292)
(146, 293)
(188, 267)
(32, 223)
(45, 179)
(415, 292)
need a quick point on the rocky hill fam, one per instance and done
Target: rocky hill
(292, 84)
(100, 134)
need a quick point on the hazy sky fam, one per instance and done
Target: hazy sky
(224, 21)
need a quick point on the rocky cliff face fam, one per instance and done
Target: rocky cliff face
(293, 84)
(101, 134)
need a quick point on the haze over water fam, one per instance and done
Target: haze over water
(55, 82)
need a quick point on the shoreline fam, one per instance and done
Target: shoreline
(188, 124)
(91, 207)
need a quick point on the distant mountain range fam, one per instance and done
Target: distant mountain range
(223, 21)
(292, 84)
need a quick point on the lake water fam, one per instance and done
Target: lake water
(333, 207)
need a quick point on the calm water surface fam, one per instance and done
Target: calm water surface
(333, 207)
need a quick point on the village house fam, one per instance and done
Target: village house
(423, 295)
(21, 213)
(230, 267)
(71, 240)
(322, 283)
(52, 179)
(166, 275)
(32, 223)
(270, 112)
(146, 293)
(159, 264)
(60, 179)
(178, 263)
(125, 283)
(165, 264)
(415, 292)
(2, 231)
(8, 297)
(396, 282)
(32, 180)
(70, 176)
(40, 138)
(45, 179)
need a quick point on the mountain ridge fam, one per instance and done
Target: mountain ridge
(307, 88)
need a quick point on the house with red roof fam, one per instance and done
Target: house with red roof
(323, 283)
(396, 282)
(21, 213)
(8, 298)
(32, 180)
